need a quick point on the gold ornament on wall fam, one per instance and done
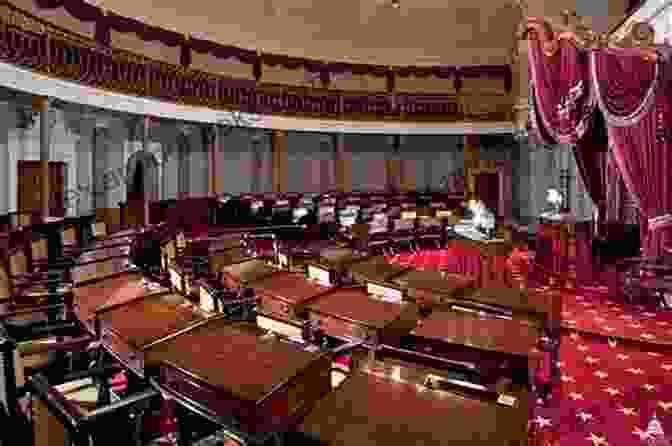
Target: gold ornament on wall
(575, 29)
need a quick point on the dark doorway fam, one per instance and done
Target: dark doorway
(142, 186)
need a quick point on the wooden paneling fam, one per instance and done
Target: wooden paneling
(153, 50)
(29, 187)
(279, 157)
(430, 84)
(225, 67)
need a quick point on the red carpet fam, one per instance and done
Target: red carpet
(610, 389)
(608, 395)
(588, 313)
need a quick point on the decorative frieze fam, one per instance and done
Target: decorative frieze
(58, 54)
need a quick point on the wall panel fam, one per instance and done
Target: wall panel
(369, 153)
(311, 165)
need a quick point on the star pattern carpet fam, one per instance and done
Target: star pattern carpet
(589, 313)
(608, 394)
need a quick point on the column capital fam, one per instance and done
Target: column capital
(41, 103)
(209, 134)
(25, 118)
(185, 129)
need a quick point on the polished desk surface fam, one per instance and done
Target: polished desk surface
(146, 319)
(235, 357)
(368, 409)
(290, 287)
(489, 335)
(376, 269)
(545, 305)
(338, 258)
(221, 258)
(355, 305)
(111, 291)
(488, 248)
(249, 270)
(444, 284)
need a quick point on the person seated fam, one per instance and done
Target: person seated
(483, 218)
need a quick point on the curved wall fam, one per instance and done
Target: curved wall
(479, 89)
(30, 82)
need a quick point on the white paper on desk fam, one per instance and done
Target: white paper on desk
(383, 293)
(319, 275)
(175, 279)
(206, 300)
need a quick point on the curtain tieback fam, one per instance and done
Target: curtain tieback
(660, 222)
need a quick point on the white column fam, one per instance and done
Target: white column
(45, 149)
(5, 121)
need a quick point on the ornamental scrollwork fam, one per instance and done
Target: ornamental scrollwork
(576, 30)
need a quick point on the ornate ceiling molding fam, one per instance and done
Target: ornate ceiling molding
(576, 30)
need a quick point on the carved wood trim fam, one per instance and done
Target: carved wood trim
(574, 29)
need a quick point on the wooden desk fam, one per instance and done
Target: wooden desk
(493, 255)
(111, 290)
(130, 328)
(337, 262)
(373, 409)
(489, 343)
(296, 256)
(375, 269)
(351, 314)
(239, 377)
(217, 260)
(241, 274)
(93, 267)
(281, 297)
(431, 288)
(540, 308)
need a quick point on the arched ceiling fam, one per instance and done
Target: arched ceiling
(418, 32)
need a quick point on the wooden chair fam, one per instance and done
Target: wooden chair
(70, 239)
(30, 287)
(645, 280)
(30, 344)
(80, 411)
(100, 230)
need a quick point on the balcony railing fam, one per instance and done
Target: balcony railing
(33, 43)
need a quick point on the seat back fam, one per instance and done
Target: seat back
(18, 263)
(39, 250)
(80, 409)
(5, 282)
(100, 229)
(70, 235)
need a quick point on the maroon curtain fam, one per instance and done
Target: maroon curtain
(563, 111)
(590, 154)
(634, 96)
(563, 100)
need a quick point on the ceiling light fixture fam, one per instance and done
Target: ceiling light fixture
(396, 4)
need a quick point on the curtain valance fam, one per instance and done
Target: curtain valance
(593, 98)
